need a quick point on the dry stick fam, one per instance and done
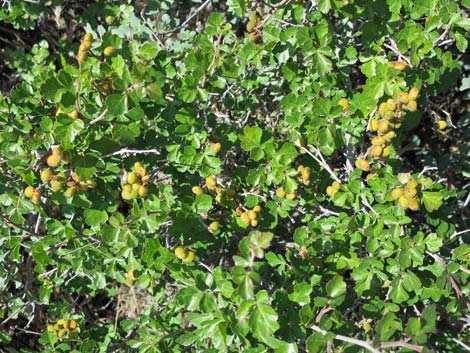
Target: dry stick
(347, 339)
(127, 150)
(402, 344)
(195, 13)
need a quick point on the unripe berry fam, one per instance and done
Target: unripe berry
(211, 182)
(412, 106)
(126, 195)
(88, 37)
(51, 329)
(109, 51)
(197, 190)
(82, 56)
(376, 152)
(280, 192)
(362, 164)
(391, 105)
(378, 141)
(389, 136)
(413, 93)
(29, 191)
(344, 103)
(143, 190)
(386, 152)
(214, 226)
(245, 218)
(441, 124)
(383, 127)
(191, 255)
(409, 192)
(254, 222)
(389, 115)
(252, 215)
(109, 20)
(291, 196)
(70, 192)
(330, 191)
(403, 202)
(412, 184)
(413, 204)
(216, 147)
(46, 175)
(36, 197)
(136, 186)
(127, 187)
(403, 97)
(374, 124)
(383, 109)
(180, 252)
(53, 160)
(56, 185)
(257, 208)
(132, 178)
(336, 185)
(396, 193)
(84, 46)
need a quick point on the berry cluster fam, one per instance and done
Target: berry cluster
(84, 48)
(32, 193)
(63, 327)
(250, 217)
(57, 157)
(76, 184)
(407, 194)
(136, 183)
(333, 189)
(254, 33)
(304, 174)
(280, 192)
(185, 255)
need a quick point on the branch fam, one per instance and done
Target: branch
(355, 341)
(126, 150)
(402, 344)
(320, 160)
(194, 14)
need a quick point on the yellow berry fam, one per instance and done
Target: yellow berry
(291, 196)
(378, 141)
(190, 257)
(61, 333)
(36, 197)
(413, 93)
(390, 115)
(214, 226)
(51, 328)
(412, 106)
(180, 252)
(245, 218)
(376, 152)
(412, 184)
(389, 136)
(403, 97)
(391, 105)
(383, 109)
(441, 124)
(362, 164)
(88, 37)
(403, 202)
(53, 160)
(374, 124)
(143, 190)
(257, 208)
(56, 185)
(29, 191)
(280, 192)
(413, 204)
(254, 222)
(72, 324)
(330, 191)
(344, 103)
(82, 56)
(109, 20)
(46, 175)
(252, 215)
(409, 192)
(109, 50)
(197, 190)
(211, 182)
(70, 191)
(84, 46)
(396, 193)
(336, 185)
(216, 147)
(132, 178)
(383, 127)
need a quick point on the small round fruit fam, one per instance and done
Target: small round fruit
(383, 109)
(403, 202)
(36, 197)
(56, 185)
(301, 143)
(214, 226)
(211, 183)
(143, 190)
(109, 51)
(53, 160)
(412, 106)
(190, 257)
(84, 46)
(383, 127)
(391, 105)
(132, 178)
(376, 152)
(126, 195)
(378, 141)
(254, 222)
(51, 328)
(389, 136)
(396, 193)
(252, 215)
(29, 191)
(127, 187)
(63, 323)
(88, 37)
(291, 196)
(280, 192)
(403, 97)
(412, 184)
(389, 115)
(386, 152)
(257, 208)
(61, 333)
(336, 185)
(344, 103)
(136, 186)
(245, 218)
(109, 20)
(216, 147)
(70, 192)
(441, 124)
(197, 190)
(82, 56)
(413, 93)
(374, 124)
(409, 192)
(91, 183)
(330, 191)
(46, 175)
(413, 204)
(145, 178)
(362, 164)
(72, 324)
(180, 252)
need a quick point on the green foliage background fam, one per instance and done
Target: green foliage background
(348, 273)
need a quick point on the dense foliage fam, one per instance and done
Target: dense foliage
(225, 176)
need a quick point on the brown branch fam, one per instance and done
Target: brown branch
(401, 344)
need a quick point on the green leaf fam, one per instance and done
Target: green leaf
(116, 104)
(431, 200)
(95, 218)
(263, 321)
(251, 137)
(336, 287)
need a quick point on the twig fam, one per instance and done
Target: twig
(402, 344)
(320, 160)
(130, 151)
(194, 14)
(425, 169)
(99, 118)
(347, 339)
